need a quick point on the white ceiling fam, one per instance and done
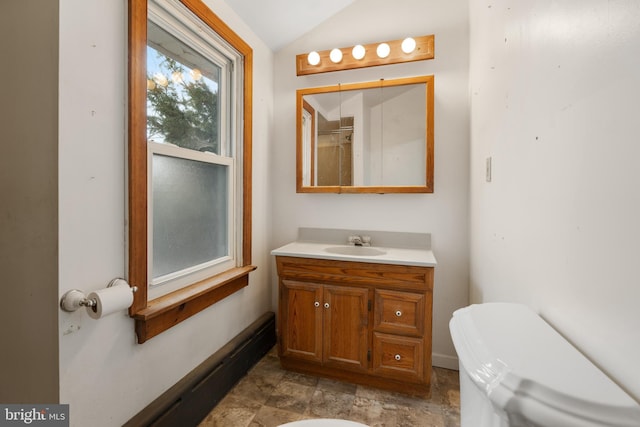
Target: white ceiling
(279, 22)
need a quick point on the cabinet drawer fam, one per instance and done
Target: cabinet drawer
(399, 312)
(398, 357)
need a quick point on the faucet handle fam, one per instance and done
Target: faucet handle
(366, 240)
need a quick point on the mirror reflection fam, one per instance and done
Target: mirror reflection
(366, 137)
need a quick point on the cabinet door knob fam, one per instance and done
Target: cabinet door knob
(397, 357)
(326, 305)
(317, 304)
(398, 313)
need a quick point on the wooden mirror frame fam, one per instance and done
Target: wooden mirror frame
(429, 99)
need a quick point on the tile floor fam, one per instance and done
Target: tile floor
(269, 396)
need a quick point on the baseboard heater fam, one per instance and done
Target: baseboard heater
(189, 401)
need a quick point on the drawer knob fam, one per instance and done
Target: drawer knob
(317, 304)
(397, 357)
(326, 305)
(398, 313)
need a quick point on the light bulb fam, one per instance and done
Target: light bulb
(160, 80)
(313, 58)
(196, 74)
(408, 45)
(335, 55)
(383, 50)
(358, 52)
(176, 76)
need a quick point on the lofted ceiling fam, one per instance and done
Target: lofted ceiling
(279, 22)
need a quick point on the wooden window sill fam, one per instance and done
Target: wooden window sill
(166, 311)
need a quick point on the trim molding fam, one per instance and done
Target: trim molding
(445, 361)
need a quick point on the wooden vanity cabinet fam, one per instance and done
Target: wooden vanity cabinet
(326, 324)
(360, 322)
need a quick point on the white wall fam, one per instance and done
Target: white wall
(444, 213)
(555, 89)
(104, 375)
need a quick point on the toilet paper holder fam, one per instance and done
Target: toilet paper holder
(75, 298)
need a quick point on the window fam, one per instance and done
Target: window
(189, 161)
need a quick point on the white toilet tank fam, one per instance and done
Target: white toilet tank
(516, 370)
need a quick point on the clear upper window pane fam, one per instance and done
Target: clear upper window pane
(183, 96)
(190, 213)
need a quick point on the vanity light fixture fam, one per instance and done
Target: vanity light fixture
(335, 56)
(369, 55)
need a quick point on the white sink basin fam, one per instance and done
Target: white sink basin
(355, 250)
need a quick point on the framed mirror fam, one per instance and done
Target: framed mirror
(370, 137)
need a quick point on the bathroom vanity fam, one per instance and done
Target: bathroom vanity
(358, 314)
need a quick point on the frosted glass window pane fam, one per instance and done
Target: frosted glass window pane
(190, 220)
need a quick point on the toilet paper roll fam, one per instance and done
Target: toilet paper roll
(110, 300)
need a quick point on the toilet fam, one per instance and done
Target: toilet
(323, 422)
(516, 370)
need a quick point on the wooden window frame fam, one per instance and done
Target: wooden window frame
(155, 316)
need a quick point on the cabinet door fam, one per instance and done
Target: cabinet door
(301, 311)
(346, 320)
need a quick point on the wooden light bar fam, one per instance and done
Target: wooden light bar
(424, 50)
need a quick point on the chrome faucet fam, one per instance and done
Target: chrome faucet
(359, 240)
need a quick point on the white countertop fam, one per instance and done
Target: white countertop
(400, 256)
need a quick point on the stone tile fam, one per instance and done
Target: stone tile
(417, 416)
(291, 396)
(371, 393)
(373, 413)
(268, 366)
(389, 398)
(452, 397)
(407, 400)
(447, 377)
(452, 420)
(445, 381)
(256, 387)
(232, 412)
(329, 404)
(296, 377)
(336, 386)
(437, 404)
(272, 417)
(273, 352)
(269, 396)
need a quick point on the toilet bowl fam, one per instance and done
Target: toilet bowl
(323, 422)
(516, 370)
